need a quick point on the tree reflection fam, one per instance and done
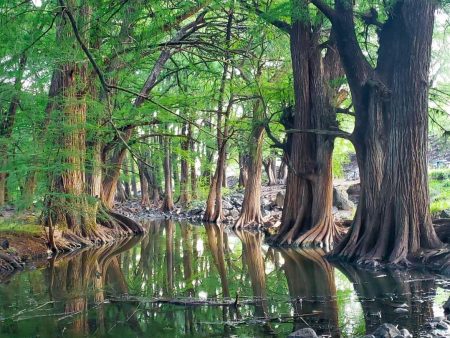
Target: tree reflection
(70, 282)
(312, 288)
(398, 296)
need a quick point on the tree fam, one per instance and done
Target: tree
(307, 212)
(392, 221)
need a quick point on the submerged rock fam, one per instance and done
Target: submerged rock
(304, 333)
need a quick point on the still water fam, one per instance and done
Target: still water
(182, 280)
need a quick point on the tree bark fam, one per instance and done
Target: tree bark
(270, 168)
(307, 217)
(7, 123)
(194, 194)
(168, 189)
(145, 198)
(184, 172)
(251, 205)
(392, 221)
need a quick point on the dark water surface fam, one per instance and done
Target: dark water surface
(134, 289)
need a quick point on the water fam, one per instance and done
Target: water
(134, 289)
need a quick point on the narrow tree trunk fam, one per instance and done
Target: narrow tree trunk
(145, 198)
(243, 169)
(7, 123)
(282, 171)
(192, 166)
(269, 167)
(251, 205)
(184, 178)
(168, 189)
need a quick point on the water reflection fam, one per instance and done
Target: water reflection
(403, 297)
(312, 287)
(130, 289)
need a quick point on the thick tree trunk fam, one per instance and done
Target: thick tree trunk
(392, 221)
(307, 213)
(168, 189)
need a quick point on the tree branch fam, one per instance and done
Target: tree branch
(328, 11)
(335, 133)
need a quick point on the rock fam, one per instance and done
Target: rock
(4, 243)
(446, 306)
(340, 199)
(265, 212)
(265, 202)
(279, 200)
(442, 325)
(445, 214)
(304, 333)
(354, 189)
(196, 211)
(401, 310)
(405, 333)
(369, 336)
(386, 331)
(234, 213)
(227, 205)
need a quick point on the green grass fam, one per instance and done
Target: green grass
(18, 226)
(439, 191)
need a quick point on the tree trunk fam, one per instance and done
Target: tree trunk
(7, 120)
(307, 217)
(243, 169)
(194, 194)
(251, 205)
(66, 203)
(282, 171)
(145, 198)
(133, 176)
(184, 178)
(392, 220)
(270, 168)
(168, 189)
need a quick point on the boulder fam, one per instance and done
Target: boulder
(354, 189)
(4, 243)
(446, 306)
(340, 199)
(445, 213)
(405, 333)
(227, 205)
(387, 331)
(304, 333)
(279, 200)
(234, 213)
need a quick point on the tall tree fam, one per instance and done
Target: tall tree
(307, 212)
(392, 221)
